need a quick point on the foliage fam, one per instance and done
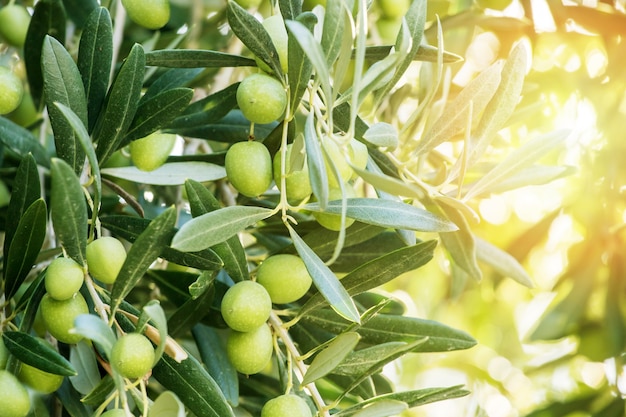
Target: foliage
(96, 83)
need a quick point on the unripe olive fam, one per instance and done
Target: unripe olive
(338, 159)
(288, 405)
(358, 155)
(105, 257)
(285, 278)
(297, 183)
(261, 98)
(249, 167)
(44, 382)
(64, 278)
(58, 316)
(14, 21)
(115, 412)
(393, 9)
(250, 352)
(151, 14)
(14, 400)
(132, 355)
(275, 27)
(249, 4)
(11, 91)
(246, 306)
(333, 221)
(151, 152)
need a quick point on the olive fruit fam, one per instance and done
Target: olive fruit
(132, 355)
(358, 155)
(11, 91)
(249, 167)
(14, 21)
(115, 412)
(64, 277)
(261, 98)
(44, 382)
(151, 14)
(105, 257)
(250, 352)
(297, 182)
(285, 278)
(332, 221)
(14, 400)
(151, 152)
(249, 4)
(288, 405)
(58, 316)
(393, 9)
(275, 27)
(338, 159)
(246, 306)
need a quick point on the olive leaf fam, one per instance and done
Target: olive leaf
(36, 352)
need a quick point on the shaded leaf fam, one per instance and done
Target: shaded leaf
(325, 280)
(427, 53)
(233, 127)
(145, 250)
(207, 110)
(190, 58)
(332, 355)
(21, 142)
(68, 211)
(389, 184)
(215, 227)
(172, 173)
(299, 69)
(170, 79)
(36, 352)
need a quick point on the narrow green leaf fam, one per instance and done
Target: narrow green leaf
(231, 251)
(72, 401)
(95, 53)
(377, 76)
(21, 142)
(193, 385)
(172, 173)
(48, 19)
(531, 175)
(36, 352)
(63, 84)
(502, 262)
(388, 184)
(170, 79)
(327, 360)
(413, 398)
(215, 358)
(68, 210)
(453, 121)
(207, 110)
(121, 104)
(300, 69)
(385, 328)
(154, 310)
(290, 9)
(388, 213)
(379, 271)
(382, 134)
(326, 281)
(233, 127)
(130, 228)
(520, 158)
(167, 404)
(145, 250)
(26, 189)
(190, 58)
(93, 328)
(383, 408)
(25, 247)
(427, 53)
(332, 32)
(252, 33)
(360, 361)
(314, 52)
(315, 160)
(100, 392)
(83, 359)
(194, 309)
(158, 112)
(215, 227)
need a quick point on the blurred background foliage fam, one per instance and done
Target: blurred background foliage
(558, 349)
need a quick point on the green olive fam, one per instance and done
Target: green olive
(151, 14)
(246, 306)
(275, 27)
(58, 316)
(11, 91)
(288, 405)
(249, 4)
(14, 400)
(332, 221)
(261, 98)
(151, 152)
(105, 257)
(39, 380)
(297, 182)
(132, 355)
(250, 352)
(249, 167)
(285, 278)
(393, 9)
(14, 21)
(337, 159)
(64, 277)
